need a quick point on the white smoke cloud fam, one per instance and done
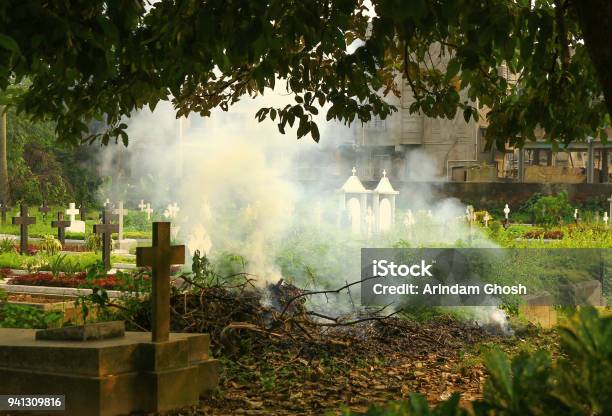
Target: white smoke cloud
(233, 179)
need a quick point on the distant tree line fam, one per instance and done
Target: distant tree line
(40, 170)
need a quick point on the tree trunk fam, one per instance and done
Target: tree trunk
(4, 186)
(595, 17)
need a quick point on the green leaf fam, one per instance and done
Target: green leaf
(9, 43)
(452, 68)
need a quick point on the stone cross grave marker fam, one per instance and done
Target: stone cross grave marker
(120, 211)
(72, 211)
(106, 228)
(149, 211)
(160, 257)
(142, 205)
(486, 219)
(606, 218)
(4, 208)
(576, 215)
(76, 226)
(174, 210)
(61, 226)
(44, 209)
(506, 212)
(23, 221)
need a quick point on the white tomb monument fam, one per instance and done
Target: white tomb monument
(76, 226)
(369, 222)
(383, 200)
(142, 205)
(353, 201)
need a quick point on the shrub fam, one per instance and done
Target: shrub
(552, 210)
(50, 245)
(7, 246)
(93, 242)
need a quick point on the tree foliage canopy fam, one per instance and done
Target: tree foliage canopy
(103, 59)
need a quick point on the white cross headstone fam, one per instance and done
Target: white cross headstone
(142, 205)
(72, 211)
(175, 210)
(199, 240)
(171, 210)
(469, 213)
(120, 212)
(149, 211)
(506, 211)
(576, 214)
(606, 218)
(76, 226)
(486, 219)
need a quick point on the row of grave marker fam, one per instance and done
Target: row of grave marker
(170, 212)
(106, 228)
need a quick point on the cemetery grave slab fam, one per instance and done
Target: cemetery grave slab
(87, 332)
(111, 376)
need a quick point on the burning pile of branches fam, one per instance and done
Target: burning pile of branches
(242, 313)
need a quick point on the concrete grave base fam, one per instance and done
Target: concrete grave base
(538, 310)
(109, 377)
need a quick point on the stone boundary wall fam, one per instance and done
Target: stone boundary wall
(495, 194)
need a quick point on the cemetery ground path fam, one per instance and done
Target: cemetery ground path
(358, 366)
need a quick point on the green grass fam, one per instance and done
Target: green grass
(72, 262)
(134, 224)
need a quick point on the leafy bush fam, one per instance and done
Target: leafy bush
(7, 245)
(19, 316)
(50, 245)
(549, 211)
(93, 242)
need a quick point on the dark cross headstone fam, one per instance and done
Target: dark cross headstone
(61, 226)
(44, 209)
(106, 229)
(24, 221)
(160, 257)
(83, 211)
(4, 208)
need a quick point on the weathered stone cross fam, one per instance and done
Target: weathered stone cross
(142, 205)
(24, 221)
(44, 209)
(120, 212)
(4, 208)
(106, 229)
(61, 226)
(160, 257)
